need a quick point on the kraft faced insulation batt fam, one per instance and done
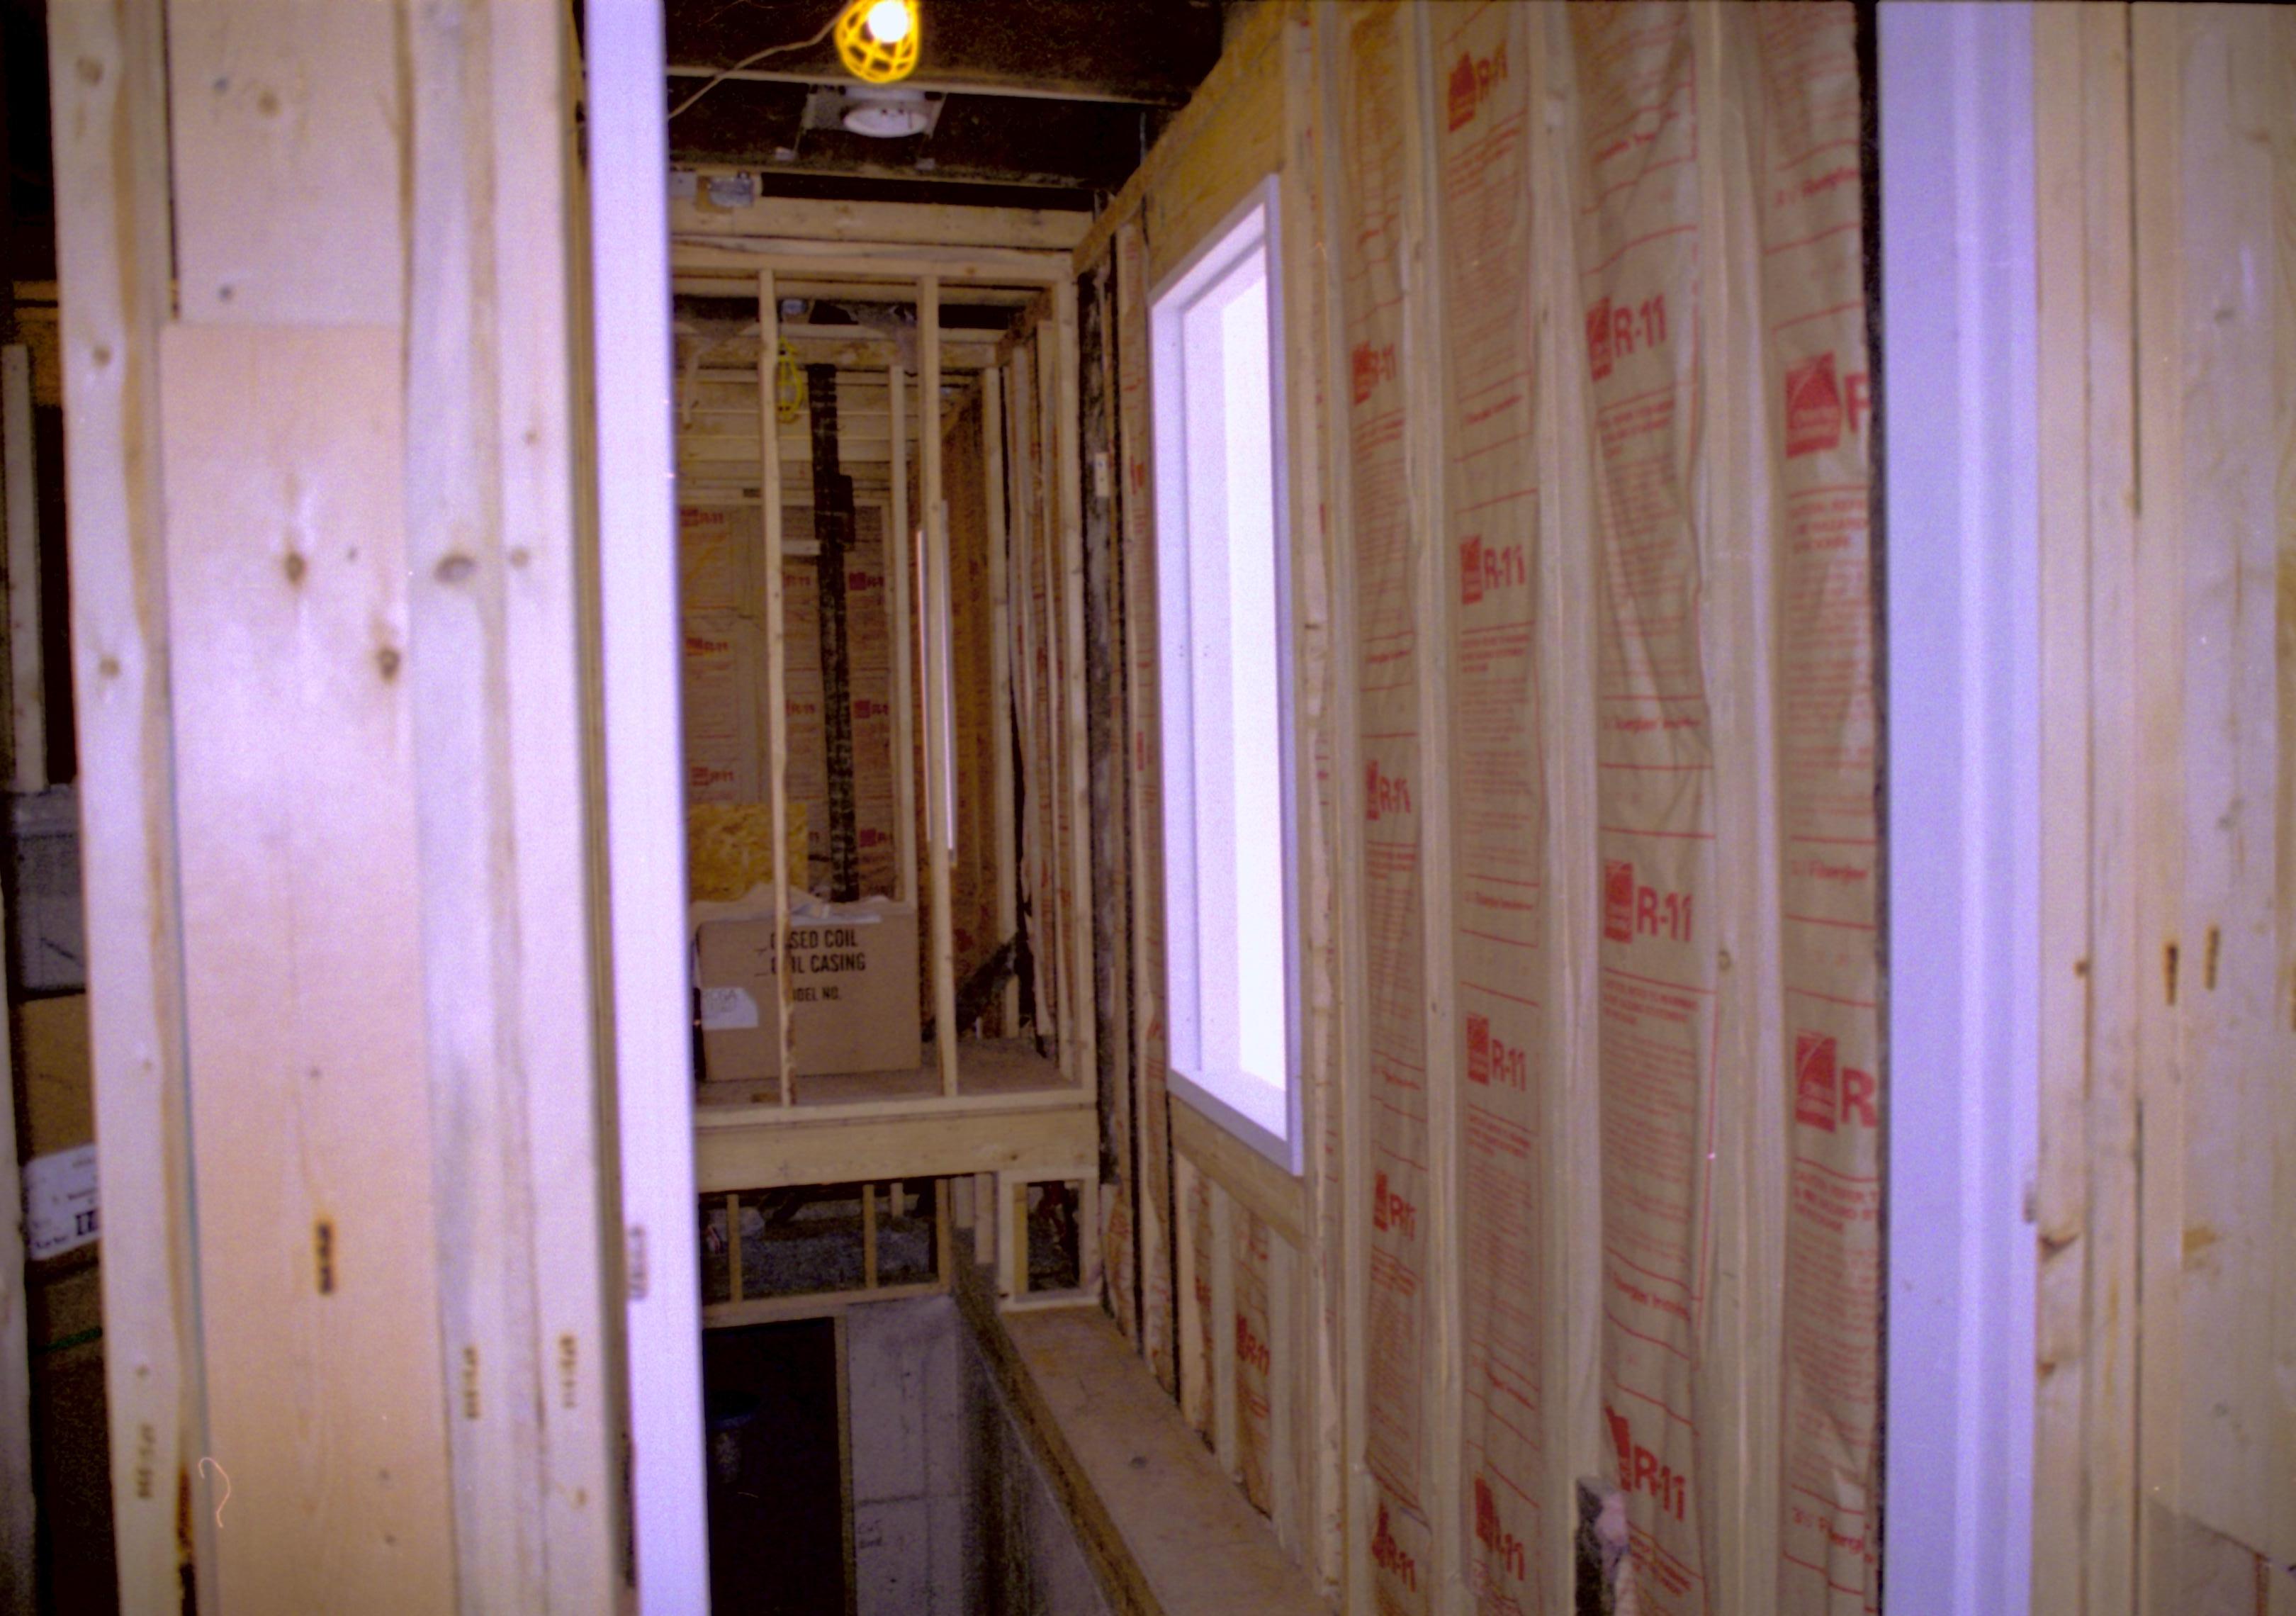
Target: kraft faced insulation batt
(1700, 925)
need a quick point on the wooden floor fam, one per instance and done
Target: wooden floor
(984, 1066)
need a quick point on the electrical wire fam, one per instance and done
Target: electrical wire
(723, 74)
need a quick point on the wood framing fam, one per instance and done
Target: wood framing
(770, 496)
(27, 716)
(107, 72)
(19, 1514)
(1008, 917)
(929, 226)
(900, 574)
(940, 767)
(915, 1140)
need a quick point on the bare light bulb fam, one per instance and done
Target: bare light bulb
(888, 21)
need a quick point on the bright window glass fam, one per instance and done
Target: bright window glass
(1225, 655)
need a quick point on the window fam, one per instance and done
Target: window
(1225, 655)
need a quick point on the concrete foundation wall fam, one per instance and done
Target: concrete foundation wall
(952, 1515)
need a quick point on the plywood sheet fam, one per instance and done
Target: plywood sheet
(287, 122)
(302, 967)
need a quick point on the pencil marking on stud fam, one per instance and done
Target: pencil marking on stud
(387, 659)
(323, 1252)
(295, 566)
(2208, 961)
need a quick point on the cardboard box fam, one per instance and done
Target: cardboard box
(853, 1000)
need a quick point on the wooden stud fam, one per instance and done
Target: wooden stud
(1000, 612)
(984, 1228)
(899, 576)
(496, 726)
(1433, 589)
(734, 1246)
(1738, 1383)
(108, 75)
(28, 716)
(944, 1193)
(19, 1515)
(777, 676)
(869, 1236)
(933, 612)
(1284, 1387)
(1225, 1440)
(1350, 949)
(1076, 779)
(1571, 1346)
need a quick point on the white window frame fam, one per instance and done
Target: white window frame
(1252, 227)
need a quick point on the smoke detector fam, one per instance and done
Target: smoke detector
(880, 111)
(886, 113)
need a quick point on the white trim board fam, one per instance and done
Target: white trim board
(1959, 300)
(645, 825)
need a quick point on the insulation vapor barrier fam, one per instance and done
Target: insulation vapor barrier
(1712, 262)
(1709, 281)
(1574, 330)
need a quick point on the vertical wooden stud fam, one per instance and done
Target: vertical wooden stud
(1349, 950)
(27, 727)
(899, 576)
(939, 767)
(769, 490)
(1000, 614)
(19, 1521)
(734, 1289)
(1739, 1386)
(1571, 1404)
(987, 1215)
(1225, 1441)
(107, 73)
(1052, 649)
(1076, 779)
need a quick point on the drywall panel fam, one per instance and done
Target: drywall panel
(286, 560)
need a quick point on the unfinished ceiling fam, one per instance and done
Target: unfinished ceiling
(1044, 103)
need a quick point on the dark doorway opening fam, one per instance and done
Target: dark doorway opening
(775, 1469)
